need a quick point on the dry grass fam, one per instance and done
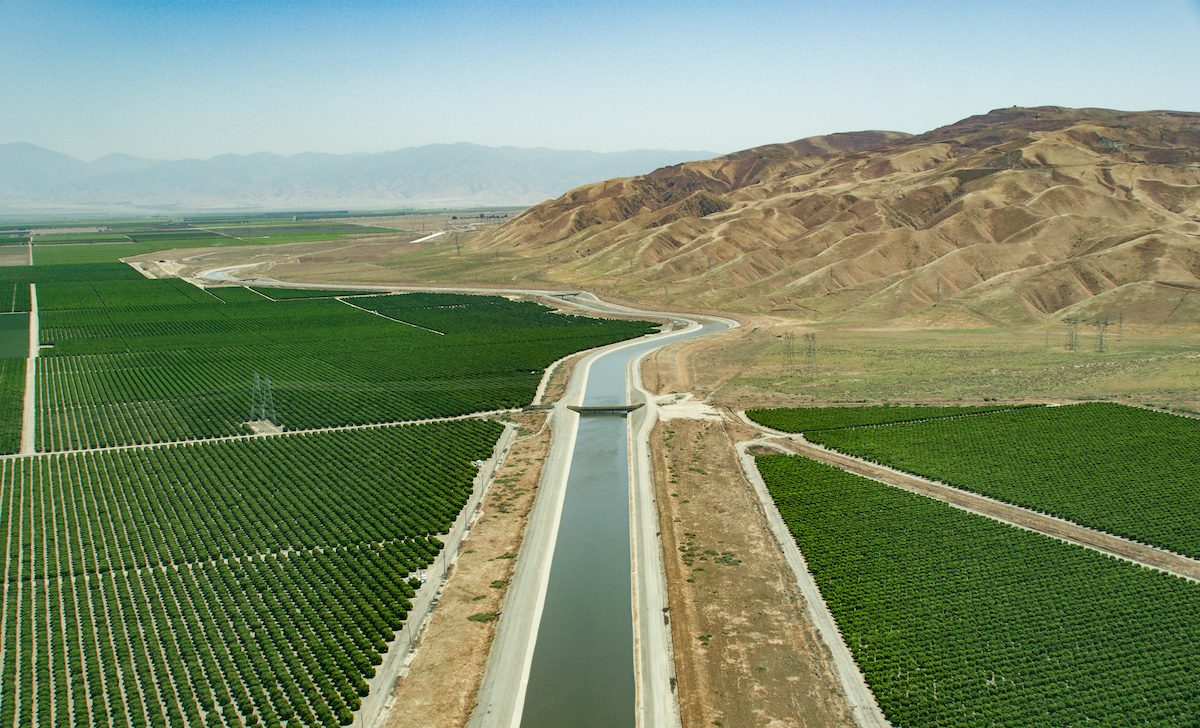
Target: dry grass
(745, 652)
(444, 677)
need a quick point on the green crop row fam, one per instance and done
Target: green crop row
(1125, 470)
(225, 584)
(151, 361)
(12, 404)
(960, 621)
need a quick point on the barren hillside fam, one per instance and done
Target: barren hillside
(1018, 216)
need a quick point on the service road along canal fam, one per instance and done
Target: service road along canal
(567, 649)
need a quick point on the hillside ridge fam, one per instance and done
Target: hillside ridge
(1015, 217)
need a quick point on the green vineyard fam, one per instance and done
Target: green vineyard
(1128, 471)
(142, 361)
(222, 584)
(956, 620)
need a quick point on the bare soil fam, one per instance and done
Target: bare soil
(444, 677)
(746, 653)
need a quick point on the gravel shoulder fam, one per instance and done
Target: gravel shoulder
(859, 697)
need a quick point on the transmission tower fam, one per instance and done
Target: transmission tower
(262, 401)
(789, 351)
(810, 345)
(1072, 333)
(1101, 336)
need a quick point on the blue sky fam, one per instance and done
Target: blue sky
(197, 79)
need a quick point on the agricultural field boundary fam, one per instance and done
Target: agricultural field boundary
(286, 433)
(859, 698)
(28, 428)
(378, 703)
(502, 691)
(1023, 518)
(961, 620)
(971, 412)
(389, 318)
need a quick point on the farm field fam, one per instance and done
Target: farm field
(1125, 470)
(220, 584)
(245, 581)
(150, 361)
(14, 335)
(12, 396)
(957, 620)
(119, 239)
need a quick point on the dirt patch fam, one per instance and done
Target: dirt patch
(444, 677)
(746, 653)
(12, 255)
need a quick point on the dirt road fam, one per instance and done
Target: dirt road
(29, 416)
(1059, 528)
(858, 695)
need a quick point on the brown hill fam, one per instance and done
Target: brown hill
(1018, 216)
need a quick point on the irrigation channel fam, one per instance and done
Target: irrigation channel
(566, 652)
(582, 671)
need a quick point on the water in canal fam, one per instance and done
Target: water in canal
(582, 673)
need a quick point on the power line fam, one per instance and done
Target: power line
(1072, 333)
(789, 351)
(1101, 336)
(262, 401)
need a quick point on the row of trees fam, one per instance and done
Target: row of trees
(1125, 470)
(12, 404)
(180, 367)
(223, 584)
(958, 620)
(188, 503)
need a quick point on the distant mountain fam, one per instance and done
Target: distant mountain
(1018, 216)
(437, 175)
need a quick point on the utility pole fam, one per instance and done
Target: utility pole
(1072, 333)
(1101, 336)
(1120, 324)
(262, 401)
(810, 345)
(789, 351)
(939, 292)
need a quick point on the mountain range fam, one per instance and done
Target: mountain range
(1017, 216)
(437, 175)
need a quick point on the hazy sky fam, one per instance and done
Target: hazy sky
(196, 79)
